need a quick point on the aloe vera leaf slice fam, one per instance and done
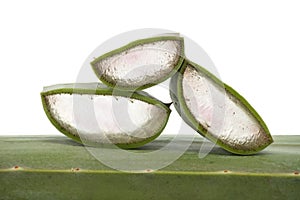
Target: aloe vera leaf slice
(141, 63)
(238, 128)
(97, 114)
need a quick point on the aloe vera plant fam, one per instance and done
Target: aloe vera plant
(217, 111)
(95, 114)
(140, 64)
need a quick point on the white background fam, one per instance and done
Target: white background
(255, 46)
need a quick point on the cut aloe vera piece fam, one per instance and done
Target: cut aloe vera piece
(140, 64)
(92, 113)
(217, 111)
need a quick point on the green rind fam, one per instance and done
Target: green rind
(80, 88)
(48, 170)
(182, 109)
(134, 44)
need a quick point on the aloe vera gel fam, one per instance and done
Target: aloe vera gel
(236, 127)
(99, 116)
(140, 64)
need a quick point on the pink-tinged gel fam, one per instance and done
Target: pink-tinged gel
(140, 65)
(219, 112)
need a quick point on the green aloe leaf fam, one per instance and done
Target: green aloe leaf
(217, 111)
(53, 167)
(140, 64)
(93, 113)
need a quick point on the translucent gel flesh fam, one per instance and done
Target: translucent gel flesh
(99, 117)
(220, 112)
(142, 64)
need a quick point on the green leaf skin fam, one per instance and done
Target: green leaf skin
(111, 81)
(176, 93)
(55, 167)
(100, 90)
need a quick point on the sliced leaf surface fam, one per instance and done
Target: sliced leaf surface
(140, 64)
(96, 114)
(217, 111)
